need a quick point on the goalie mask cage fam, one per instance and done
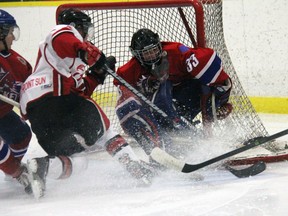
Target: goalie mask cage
(191, 22)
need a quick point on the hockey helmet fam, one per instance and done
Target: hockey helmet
(79, 20)
(146, 47)
(8, 23)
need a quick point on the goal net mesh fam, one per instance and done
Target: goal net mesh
(180, 21)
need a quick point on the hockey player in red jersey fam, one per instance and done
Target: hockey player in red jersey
(15, 134)
(178, 79)
(56, 99)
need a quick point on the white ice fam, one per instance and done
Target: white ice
(105, 190)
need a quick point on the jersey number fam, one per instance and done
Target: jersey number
(191, 62)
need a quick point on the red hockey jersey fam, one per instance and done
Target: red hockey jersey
(184, 63)
(14, 70)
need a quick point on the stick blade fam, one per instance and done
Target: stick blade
(253, 170)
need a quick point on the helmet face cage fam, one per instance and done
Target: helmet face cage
(146, 47)
(149, 55)
(87, 28)
(90, 31)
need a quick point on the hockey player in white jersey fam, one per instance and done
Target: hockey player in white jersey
(56, 99)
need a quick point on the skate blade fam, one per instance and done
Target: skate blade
(33, 166)
(36, 185)
(37, 190)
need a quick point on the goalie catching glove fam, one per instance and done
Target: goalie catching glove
(96, 60)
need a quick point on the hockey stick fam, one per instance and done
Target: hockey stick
(9, 101)
(255, 169)
(137, 93)
(164, 158)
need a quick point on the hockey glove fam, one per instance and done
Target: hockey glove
(148, 85)
(111, 62)
(96, 60)
(222, 93)
(101, 74)
(91, 55)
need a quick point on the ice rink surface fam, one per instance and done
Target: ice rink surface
(104, 189)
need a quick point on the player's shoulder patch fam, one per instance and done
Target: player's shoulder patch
(182, 48)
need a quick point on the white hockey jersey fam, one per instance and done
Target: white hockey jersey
(53, 74)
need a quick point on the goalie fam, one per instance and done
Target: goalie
(178, 79)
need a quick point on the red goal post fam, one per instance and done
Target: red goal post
(191, 22)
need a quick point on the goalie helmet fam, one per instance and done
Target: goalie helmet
(79, 20)
(146, 47)
(8, 24)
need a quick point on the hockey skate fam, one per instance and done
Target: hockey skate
(30, 181)
(138, 169)
(39, 168)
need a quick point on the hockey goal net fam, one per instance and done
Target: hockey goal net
(191, 22)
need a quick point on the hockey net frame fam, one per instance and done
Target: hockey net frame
(191, 22)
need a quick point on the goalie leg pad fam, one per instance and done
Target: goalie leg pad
(144, 128)
(127, 108)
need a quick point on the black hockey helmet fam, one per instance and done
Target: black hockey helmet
(77, 19)
(146, 47)
(6, 22)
